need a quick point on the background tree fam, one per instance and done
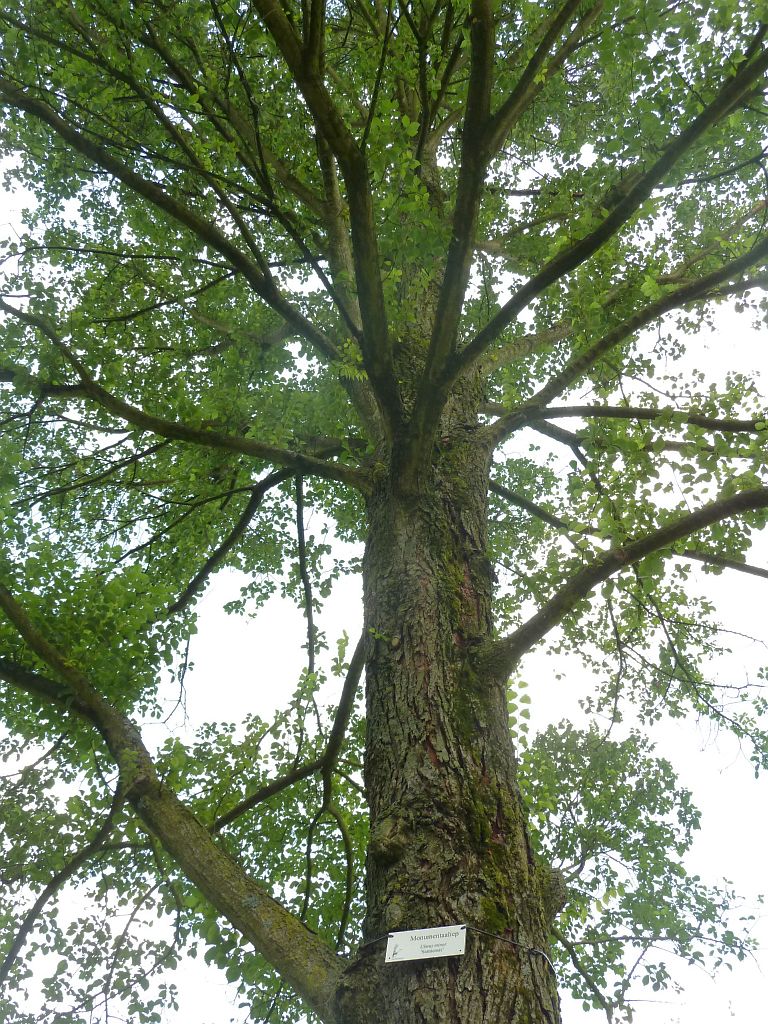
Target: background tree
(354, 257)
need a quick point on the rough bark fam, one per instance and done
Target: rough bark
(448, 834)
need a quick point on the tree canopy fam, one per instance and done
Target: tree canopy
(382, 264)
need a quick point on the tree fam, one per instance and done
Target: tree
(368, 257)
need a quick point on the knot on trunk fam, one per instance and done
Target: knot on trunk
(553, 891)
(389, 839)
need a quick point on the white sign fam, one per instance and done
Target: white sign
(424, 943)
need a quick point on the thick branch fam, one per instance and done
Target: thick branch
(481, 137)
(474, 159)
(297, 954)
(520, 348)
(46, 389)
(340, 257)
(499, 658)
(344, 710)
(566, 437)
(376, 343)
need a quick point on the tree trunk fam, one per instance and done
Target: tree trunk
(448, 833)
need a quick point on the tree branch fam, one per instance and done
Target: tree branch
(296, 953)
(519, 348)
(710, 558)
(588, 979)
(474, 160)
(349, 874)
(215, 559)
(527, 86)
(46, 389)
(344, 710)
(96, 478)
(566, 437)
(481, 137)
(726, 425)
(205, 231)
(271, 788)
(314, 37)
(306, 582)
(530, 506)
(497, 659)
(707, 557)
(376, 343)
(325, 763)
(580, 362)
(59, 879)
(175, 430)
